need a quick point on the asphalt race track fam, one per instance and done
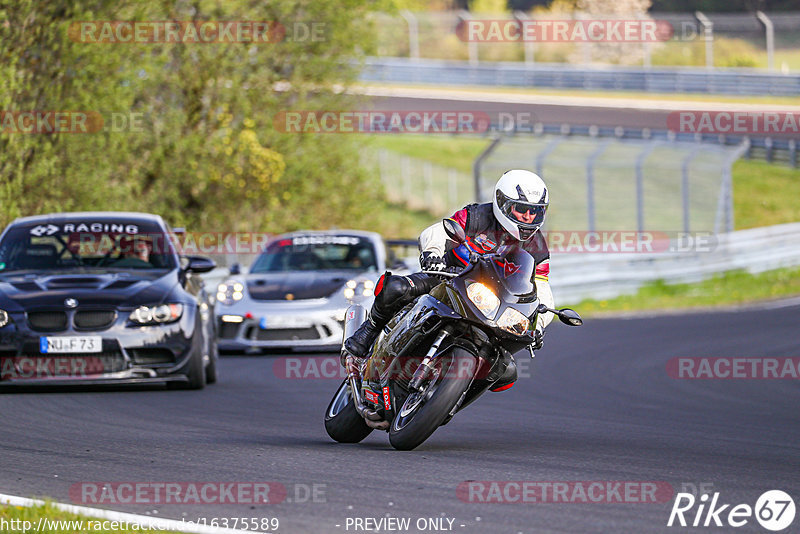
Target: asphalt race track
(598, 406)
(545, 113)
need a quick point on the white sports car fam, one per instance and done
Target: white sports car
(297, 290)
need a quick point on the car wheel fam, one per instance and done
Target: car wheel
(213, 359)
(195, 370)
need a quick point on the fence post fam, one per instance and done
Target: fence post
(476, 167)
(549, 147)
(413, 33)
(770, 31)
(472, 46)
(708, 35)
(590, 183)
(646, 47)
(528, 46)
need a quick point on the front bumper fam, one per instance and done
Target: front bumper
(129, 355)
(316, 324)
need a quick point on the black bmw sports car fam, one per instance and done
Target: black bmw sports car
(102, 298)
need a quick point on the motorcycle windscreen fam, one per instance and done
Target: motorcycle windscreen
(515, 270)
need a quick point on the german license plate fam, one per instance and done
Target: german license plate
(70, 344)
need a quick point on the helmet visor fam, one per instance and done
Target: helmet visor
(525, 214)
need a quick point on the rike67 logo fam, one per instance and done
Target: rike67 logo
(774, 510)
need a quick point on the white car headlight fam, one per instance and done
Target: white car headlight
(354, 289)
(514, 322)
(230, 292)
(164, 313)
(484, 298)
(3, 318)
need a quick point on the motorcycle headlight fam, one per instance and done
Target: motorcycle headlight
(514, 322)
(484, 299)
(3, 318)
(230, 292)
(164, 313)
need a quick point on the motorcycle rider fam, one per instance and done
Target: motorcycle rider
(514, 217)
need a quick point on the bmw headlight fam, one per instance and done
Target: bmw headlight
(230, 292)
(484, 299)
(4, 319)
(164, 313)
(514, 322)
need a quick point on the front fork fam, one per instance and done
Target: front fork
(424, 369)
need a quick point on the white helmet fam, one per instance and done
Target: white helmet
(520, 203)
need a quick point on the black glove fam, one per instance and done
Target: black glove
(538, 340)
(431, 262)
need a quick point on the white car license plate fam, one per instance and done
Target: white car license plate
(70, 344)
(279, 321)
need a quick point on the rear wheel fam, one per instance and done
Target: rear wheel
(342, 421)
(425, 410)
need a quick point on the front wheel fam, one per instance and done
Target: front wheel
(342, 421)
(424, 411)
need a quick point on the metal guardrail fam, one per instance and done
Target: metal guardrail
(575, 277)
(738, 81)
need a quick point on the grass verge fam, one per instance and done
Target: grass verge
(55, 521)
(726, 289)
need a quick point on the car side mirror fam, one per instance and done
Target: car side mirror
(200, 264)
(454, 231)
(235, 269)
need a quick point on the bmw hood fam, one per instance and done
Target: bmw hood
(297, 285)
(103, 288)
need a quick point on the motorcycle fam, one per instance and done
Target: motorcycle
(442, 351)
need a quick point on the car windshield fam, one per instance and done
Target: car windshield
(317, 253)
(54, 246)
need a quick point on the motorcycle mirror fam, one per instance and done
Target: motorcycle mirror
(570, 317)
(454, 231)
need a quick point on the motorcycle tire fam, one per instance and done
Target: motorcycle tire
(409, 430)
(342, 421)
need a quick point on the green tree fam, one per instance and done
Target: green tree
(206, 153)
